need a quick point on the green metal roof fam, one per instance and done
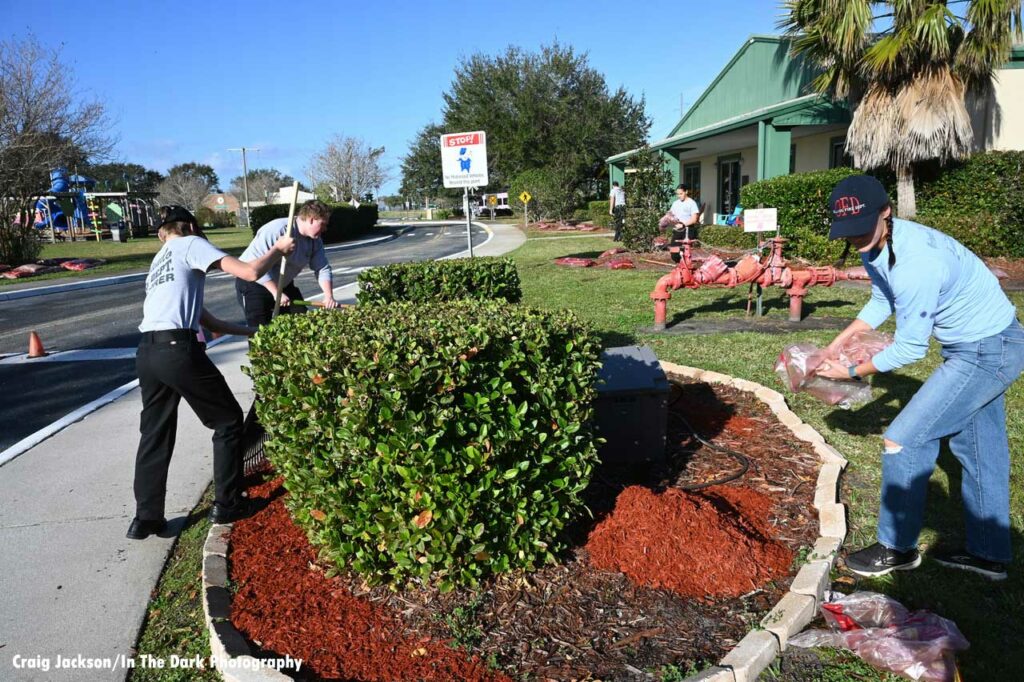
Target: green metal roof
(762, 80)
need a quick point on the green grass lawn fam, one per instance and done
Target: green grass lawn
(617, 304)
(133, 256)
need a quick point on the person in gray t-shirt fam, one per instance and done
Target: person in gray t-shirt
(257, 298)
(171, 363)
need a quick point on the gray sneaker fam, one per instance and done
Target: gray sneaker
(878, 559)
(966, 561)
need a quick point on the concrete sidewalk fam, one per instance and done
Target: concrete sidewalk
(71, 584)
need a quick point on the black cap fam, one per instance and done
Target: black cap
(855, 204)
(176, 214)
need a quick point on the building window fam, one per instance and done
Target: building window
(792, 159)
(691, 178)
(837, 156)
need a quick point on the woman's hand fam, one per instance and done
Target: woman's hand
(833, 370)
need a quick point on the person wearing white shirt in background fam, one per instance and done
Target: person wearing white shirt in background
(617, 208)
(686, 212)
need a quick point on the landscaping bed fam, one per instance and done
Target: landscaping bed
(660, 579)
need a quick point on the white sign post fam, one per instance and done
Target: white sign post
(464, 164)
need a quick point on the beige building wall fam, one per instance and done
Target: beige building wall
(998, 119)
(812, 152)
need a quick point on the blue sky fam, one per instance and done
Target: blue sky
(186, 80)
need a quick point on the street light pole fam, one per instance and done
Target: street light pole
(245, 180)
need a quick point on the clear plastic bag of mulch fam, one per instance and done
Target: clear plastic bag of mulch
(797, 362)
(917, 645)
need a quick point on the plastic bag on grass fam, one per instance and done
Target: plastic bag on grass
(797, 362)
(918, 645)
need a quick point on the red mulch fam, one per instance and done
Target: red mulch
(287, 605)
(701, 544)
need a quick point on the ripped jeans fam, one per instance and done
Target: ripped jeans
(961, 400)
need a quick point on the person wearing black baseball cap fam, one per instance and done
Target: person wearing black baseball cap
(172, 364)
(935, 287)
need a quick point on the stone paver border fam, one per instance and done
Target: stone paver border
(796, 609)
(755, 652)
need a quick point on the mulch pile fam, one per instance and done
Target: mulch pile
(702, 544)
(580, 618)
(47, 265)
(286, 604)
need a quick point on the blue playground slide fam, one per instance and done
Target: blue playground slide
(59, 182)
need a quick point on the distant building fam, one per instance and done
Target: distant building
(760, 118)
(222, 202)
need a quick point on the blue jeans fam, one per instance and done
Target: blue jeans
(962, 400)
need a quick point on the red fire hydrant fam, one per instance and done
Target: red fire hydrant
(771, 270)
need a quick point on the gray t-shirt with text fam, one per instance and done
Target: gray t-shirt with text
(174, 287)
(308, 252)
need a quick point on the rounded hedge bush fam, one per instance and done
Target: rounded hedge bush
(443, 442)
(441, 280)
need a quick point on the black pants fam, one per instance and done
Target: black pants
(257, 303)
(619, 217)
(173, 365)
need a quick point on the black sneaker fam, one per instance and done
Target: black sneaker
(968, 562)
(878, 559)
(221, 513)
(140, 530)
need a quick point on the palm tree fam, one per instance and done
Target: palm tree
(904, 67)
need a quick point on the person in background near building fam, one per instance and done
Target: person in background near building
(257, 298)
(617, 209)
(686, 212)
(172, 364)
(935, 287)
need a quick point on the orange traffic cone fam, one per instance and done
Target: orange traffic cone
(35, 346)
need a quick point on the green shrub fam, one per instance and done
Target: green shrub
(443, 442)
(441, 280)
(804, 215)
(599, 213)
(553, 192)
(979, 201)
(19, 243)
(727, 237)
(441, 213)
(346, 222)
(207, 217)
(582, 215)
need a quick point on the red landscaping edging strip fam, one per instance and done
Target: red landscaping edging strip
(755, 652)
(796, 609)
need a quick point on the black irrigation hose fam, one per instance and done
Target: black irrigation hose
(743, 460)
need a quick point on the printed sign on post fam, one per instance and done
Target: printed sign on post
(760, 219)
(464, 159)
(525, 197)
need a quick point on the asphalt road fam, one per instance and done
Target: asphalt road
(34, 395)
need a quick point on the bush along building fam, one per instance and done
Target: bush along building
(760, 119)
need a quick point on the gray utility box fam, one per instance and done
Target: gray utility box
(631, 408)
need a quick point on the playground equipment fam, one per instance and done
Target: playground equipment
(771, 270)
(73, 212)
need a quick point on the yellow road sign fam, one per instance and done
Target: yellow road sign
(525, 197)
(492, 200)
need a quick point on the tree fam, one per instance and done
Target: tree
(904, 66)
(647, 193)
(539, 109)
(200, 171)
(263, 183)
(348, 168)
(44, 124)
(421, 167)
(187, 184)
(117, 177)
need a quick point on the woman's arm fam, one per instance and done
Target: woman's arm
(215, 324)
(253, 270)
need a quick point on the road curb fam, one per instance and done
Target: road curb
(755, 652)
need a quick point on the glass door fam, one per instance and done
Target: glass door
(728, 184)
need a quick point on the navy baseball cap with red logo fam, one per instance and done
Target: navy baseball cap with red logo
(855, 204)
